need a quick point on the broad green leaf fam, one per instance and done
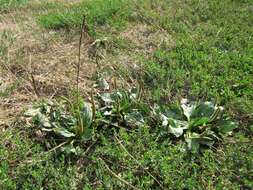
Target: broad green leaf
(86, 113)
(177, 127)
(206, 141)
(69, 149)
(46, 123)
(199, 122)
(134, 93)
(41, 120)
(192, 143)
(106, 98)
(204, 109)
(134, 119)
(87, 134)
(188, 108)
(63, 132)
(175, 112)
(226, 126)
(210, 134)
(178, 132)
(194, 140)
(165, 120)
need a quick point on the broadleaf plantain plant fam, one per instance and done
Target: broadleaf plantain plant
(121, 107)
(63, 119)
(199, 124)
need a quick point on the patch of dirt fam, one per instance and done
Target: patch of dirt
(43, 55)
(146, 38)
(7, 26)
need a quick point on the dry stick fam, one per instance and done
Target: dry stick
(57, 147)
(78, 66)
(93, 106)
(32, 77)
(88, 149)
(118, 177)
(31, 161)
(124, 148)
(34, 85)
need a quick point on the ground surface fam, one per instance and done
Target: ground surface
(174, 49)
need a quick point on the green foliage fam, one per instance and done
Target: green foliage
(200, 123)
(171, 166)
(121, 108)
(7, 5)
(64, 119)
(25, 165)
(97, 13)
(212, 54)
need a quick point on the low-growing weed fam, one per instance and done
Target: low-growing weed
(199, 123)
(63, 121)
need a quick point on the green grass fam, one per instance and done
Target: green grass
(8, 5)
(25, 164)
(22, 165)
(212, 57)
(97, 13)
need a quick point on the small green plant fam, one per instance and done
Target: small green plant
(121, 107)
(64, 119)
(198, 123)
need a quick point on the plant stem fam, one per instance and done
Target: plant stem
(83, 30)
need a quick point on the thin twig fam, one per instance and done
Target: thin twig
(88, 149)
(78, 66)
(114, 125)
(93, 105)
(118, 177)
(55, 148)
(42, 155)
(34, 85)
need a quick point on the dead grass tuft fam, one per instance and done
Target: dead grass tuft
(146, 38)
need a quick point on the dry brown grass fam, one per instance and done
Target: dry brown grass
(146, 38)
(45, 56)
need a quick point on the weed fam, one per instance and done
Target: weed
(202, 123)
(67, 121)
